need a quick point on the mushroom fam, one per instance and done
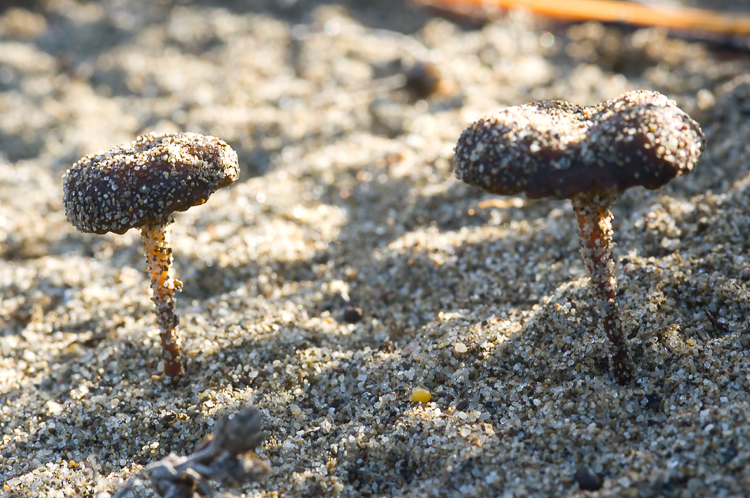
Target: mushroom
(587, 154)
(139, 185)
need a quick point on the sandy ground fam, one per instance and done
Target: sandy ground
(347, 198)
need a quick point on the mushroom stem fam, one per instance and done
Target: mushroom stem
(595, 231)
(159, 259)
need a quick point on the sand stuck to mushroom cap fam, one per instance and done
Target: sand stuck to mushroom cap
(557, 149)
(144, 181)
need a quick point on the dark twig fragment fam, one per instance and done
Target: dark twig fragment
(220, 457)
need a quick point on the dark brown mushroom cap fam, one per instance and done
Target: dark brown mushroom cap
(557, 149)
(145, 181)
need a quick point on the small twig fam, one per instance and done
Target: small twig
(219, 457)
(683, 18)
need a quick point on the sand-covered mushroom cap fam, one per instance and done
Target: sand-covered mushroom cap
(144, 181)
(557, 149)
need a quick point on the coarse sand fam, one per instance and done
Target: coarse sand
(346, 199)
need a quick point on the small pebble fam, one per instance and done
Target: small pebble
(352, 314)
(588, 481)
(421, 395)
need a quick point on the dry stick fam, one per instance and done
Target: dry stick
(221, 457)
(612, 11)
(595, 231)
(158, 253)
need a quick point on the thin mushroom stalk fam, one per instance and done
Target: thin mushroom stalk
(593, 211)
(158, 253)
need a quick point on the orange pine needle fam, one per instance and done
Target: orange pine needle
(684, 18)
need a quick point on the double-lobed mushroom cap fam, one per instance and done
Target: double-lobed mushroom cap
(556, 149)
(144, 181)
